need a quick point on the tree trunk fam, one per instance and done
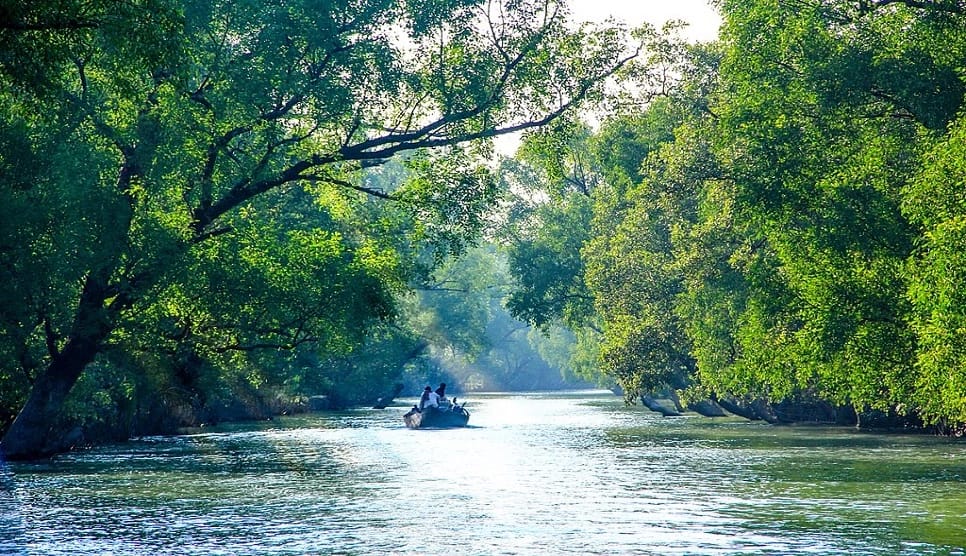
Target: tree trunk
(654, 405)
(707, 408)
(31, 435)
(738, 409)
(676, 400)
(383, 401)
(756, 410)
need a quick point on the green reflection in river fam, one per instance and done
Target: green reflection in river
(907, 489)
(246, 488)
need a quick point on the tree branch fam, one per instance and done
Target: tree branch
(376, 150)
(50, 337)
(952, 7)
(70, 24)
(343, 183)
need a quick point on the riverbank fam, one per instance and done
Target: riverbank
(183, 414)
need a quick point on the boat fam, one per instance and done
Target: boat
(437, 418)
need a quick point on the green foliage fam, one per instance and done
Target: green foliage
(819, 172)
(545, 262)
(360, 375)
(157, 193)
(473, 342)
(785, 222)
(623, 143)
(449, 198)
(938, 282)
(451, 312)
(632, 264)
(552, 182)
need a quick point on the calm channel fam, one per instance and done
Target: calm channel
(548, 473)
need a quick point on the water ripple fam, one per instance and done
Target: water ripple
(536, 474)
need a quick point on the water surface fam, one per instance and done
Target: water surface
(573, 473)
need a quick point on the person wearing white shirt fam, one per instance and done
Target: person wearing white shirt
(428, 399)
(433, 400)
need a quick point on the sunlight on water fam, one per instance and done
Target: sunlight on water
(575, 473)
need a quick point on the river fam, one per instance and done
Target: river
(544, 473)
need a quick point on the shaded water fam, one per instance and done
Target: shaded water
(574, 473)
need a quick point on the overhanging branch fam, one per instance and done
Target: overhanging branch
(69, 24)
(349, 185)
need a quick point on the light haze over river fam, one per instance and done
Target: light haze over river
(553, 473)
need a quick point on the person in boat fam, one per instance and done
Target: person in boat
(445, 404)
(428, 399)
(433, 399)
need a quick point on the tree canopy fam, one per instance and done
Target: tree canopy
(780, 222)
(270, 195)
(198, 190)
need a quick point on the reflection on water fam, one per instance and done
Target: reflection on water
(575, 473)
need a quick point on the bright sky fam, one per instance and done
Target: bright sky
(703, 20)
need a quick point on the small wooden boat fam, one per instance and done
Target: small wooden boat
(441, 418)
